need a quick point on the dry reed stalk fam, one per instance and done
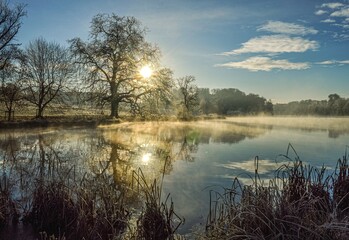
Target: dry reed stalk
(304, 206)
(157, 220)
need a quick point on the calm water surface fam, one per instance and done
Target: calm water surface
(195, 157)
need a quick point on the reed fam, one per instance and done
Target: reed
(61, 203)
(8, 209)
(158, 219)
(91, 209)
(341, 187)
(54, 210)
(301, 202)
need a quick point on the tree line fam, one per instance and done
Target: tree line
(335, 105)
(105, 69)
(231, 101)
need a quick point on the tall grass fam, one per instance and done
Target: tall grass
(92, 209)
(158, 219)
(61, 203)
(301, 202)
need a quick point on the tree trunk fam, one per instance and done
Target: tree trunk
(114, 112)
(9, 112)
(40, 112)
(114, 102)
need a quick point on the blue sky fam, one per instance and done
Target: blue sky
(281, 50)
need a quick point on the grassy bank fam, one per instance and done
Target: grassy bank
(87, 120)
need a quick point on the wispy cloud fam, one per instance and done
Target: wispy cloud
(343, 25)
(275, 44)
(333, 62)
(337, 14)
(332, 5)
(327, 62)
(328, 20)
(341, 13)
(340, 36)
(286, 28)
(320, 12)
(255, 64)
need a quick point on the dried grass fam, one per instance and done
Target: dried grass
(301, 202)
(158, 219)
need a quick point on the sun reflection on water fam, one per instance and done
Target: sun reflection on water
(146, 158)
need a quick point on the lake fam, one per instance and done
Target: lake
(189, 158)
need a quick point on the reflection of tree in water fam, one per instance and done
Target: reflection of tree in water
(101, 162)
(119, 151)
(189, 146)
(230, 138)
(130, 151)
(34, 165)
(132, 143)
(120, 162)
(337, 133)
(9, 147)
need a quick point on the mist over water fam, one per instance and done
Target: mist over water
(195, 157)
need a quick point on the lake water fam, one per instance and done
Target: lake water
(195, 157)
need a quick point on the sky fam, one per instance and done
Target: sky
(283, 50)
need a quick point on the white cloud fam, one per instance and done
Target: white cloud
(332, 62)
(286, 28)
(341, 13)
(327, 62)
(275, 44)
(332, 5)
(341, 36)
(346, 26)
(328, 21)
(255, 64)
(320, 12)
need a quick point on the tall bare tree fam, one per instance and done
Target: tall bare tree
(10, 88)
(189, 99)
(113, 56)
(47, 69)
(10, 23)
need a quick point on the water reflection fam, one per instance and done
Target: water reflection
(192, 156)
(250, 166)
(334, 126)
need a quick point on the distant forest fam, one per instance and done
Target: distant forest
(231, 101)
(334, 106)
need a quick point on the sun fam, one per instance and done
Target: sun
(146, 71)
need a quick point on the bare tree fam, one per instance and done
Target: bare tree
(10, 23)
(10, 88)
(47, 69)
(189, 96)
(113, 56)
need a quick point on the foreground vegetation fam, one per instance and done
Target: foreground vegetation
(61, 206)
(301, 202)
